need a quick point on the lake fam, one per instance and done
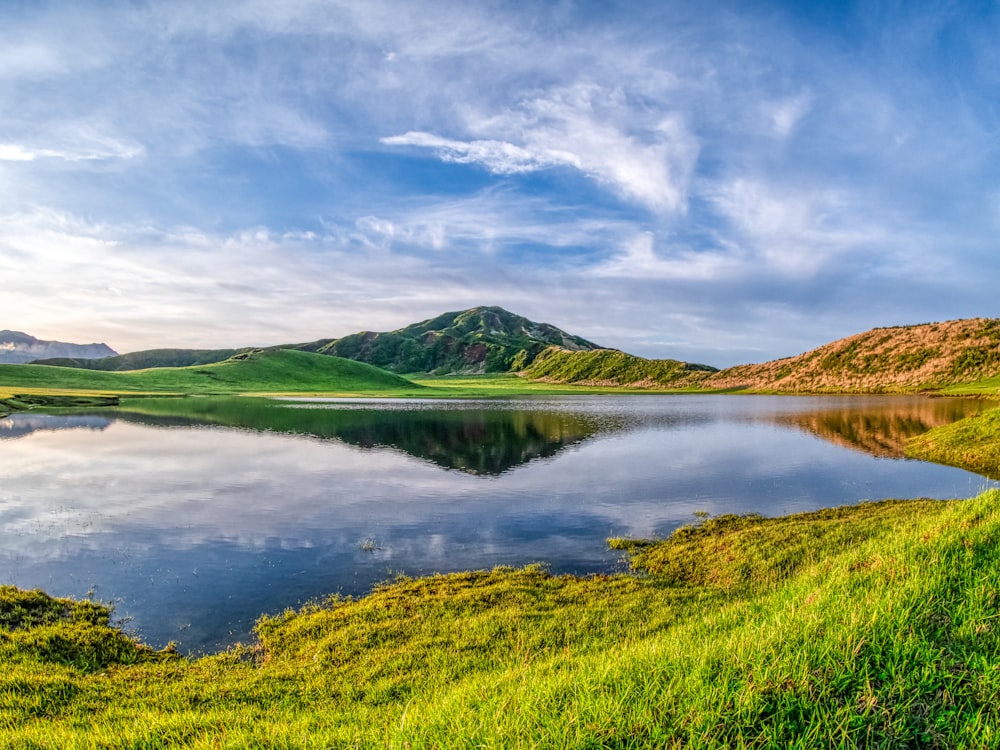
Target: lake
(195, 516)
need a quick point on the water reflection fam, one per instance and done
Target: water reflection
(473, 437)
(20, 425)
(491, 437)
(198, 515)
(883, 430)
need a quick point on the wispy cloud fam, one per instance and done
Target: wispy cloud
(498, 157)
(581, 127)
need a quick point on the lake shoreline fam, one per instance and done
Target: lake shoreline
(685, 646)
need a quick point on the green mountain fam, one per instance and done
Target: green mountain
(479, 340)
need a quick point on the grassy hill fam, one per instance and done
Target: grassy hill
(957, 356)
(868, 626)
(479, 340)
(146, 359)
(250, 372)
(924, 357)
(609, 367)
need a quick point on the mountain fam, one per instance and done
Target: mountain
(18, 348)
(921, 357)
(479, 340)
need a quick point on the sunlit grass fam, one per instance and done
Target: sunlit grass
(874, 626)
(507, 384)
(972, 443)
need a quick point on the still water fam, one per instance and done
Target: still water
(195, 516)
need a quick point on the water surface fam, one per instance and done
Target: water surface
(194, 516)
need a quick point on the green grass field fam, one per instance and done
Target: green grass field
(871, 626)
(876, 625)
(273, 372)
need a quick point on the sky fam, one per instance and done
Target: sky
(719, 182)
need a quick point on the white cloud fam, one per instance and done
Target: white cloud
(583, 127)
(97, 150)
(498, 157)
(15, 152)
(638, 260)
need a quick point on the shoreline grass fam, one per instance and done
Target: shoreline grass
(870, 625)
(873, 625)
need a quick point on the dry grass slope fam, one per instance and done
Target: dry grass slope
(898, 359)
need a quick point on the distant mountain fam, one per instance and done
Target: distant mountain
(145, 359)
(479, 340)
(884, 360)
(18, 348)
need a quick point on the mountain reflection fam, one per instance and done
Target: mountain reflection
(488, 438)
(480, 441)
(884, 430)
(21, 425)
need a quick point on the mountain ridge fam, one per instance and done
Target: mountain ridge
(489, 339)
(911, 358)
(17, 347)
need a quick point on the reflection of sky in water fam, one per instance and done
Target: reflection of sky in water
(195, 531)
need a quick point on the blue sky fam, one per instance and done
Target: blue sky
(716, 182)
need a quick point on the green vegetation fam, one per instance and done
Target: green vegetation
(610, 367)
(955, 356)
(479, 340)
(23, 402)
(147, 359)
(249, 372)
(501, 385)
(972, 443)
(875, 626)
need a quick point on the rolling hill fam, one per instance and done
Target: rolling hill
(610, 367)
(256, 371)
(925, 357)
(901, 359)
(146, 359)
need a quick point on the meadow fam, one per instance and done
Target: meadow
(874, 625)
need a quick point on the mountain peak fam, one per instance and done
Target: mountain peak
(17, 348)
(478, 340)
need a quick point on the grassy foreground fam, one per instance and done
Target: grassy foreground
(876, 625)
(972, 443)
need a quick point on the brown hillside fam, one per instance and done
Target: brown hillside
(898, 359)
